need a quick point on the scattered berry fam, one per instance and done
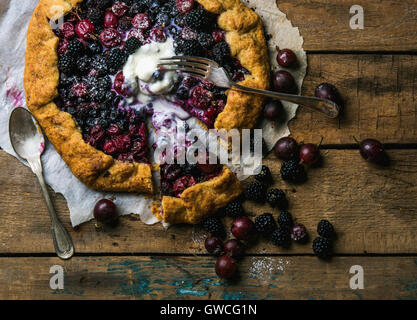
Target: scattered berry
(234, 248)
(105, 211)
(273, 110)
(286, 58)
(226, 267)
(141, 21)
(265, 224)
(264, 176)
(115, 59)
(214, 245)
(292, 171)
(119, 8)
(110, 20)
(277, 198)
(325, 229)
(285, 219)
(281, 237)
(214, 226)
(242, 227)
(190, 48)
(66, 64)
(329, 92)
(234, 209)
(255, 191)
(284, 82)
(184, 6)
(373, 151)
(286, 149)
(299, 233)
(322, 247)
(75, 48)
(309, 153)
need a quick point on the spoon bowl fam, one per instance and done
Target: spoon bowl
(25, 134)
(28, 142)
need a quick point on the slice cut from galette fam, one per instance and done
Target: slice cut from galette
(92, 82)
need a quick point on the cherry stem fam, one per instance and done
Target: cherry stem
(321, 141)
(354, 138)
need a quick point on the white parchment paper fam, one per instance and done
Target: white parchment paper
(14, 19)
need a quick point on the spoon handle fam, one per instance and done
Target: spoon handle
(62, 241)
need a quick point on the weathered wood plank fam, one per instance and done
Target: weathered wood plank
(194, 278)
(373, 209)
(389, 25)
(379, 94)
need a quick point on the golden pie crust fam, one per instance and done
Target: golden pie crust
(245, 36)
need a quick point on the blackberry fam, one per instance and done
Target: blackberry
(96, 16)
(189, 48)
(99, 64)
(234, 209)
(198, 19)
(264, 176)
(292, 171)
(98, 94)
(221, 53)
(93, 48)
(255, 191)
(276, 198)
(104, 4)
(322, 247)
(83, 64)
(125, 23)
(162, 19)
(205, 39)
(104, 83)
(66, 64)
(213, 225)
(265, 223)
(325, 229)
(285, 219)
(75, 48)
(115, 59)
(132, 44)
(180, 20)
(281, 237)
(92, 82)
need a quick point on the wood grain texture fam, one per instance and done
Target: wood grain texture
(379, 92)
(373, 209)
(194, 278)
(389, 25)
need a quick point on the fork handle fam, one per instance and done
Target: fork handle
(327, 107)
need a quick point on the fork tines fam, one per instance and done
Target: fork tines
(196, 66)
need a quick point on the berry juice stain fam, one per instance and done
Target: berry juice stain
(14, 95)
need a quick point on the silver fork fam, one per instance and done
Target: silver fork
(209, 70)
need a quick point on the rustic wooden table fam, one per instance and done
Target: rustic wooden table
(373, 209)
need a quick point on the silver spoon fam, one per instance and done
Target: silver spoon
(28, 142)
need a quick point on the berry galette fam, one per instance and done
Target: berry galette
(93, 83)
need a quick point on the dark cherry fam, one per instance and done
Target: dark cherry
(373, 151)
(242, 228)
(214, 245)
(105, 211)
(286, 58)
(234, 248)
(110, 38)
(286, 149)
(158, 34)
(309, 153)
(226, 267)
(273, 110)
(141, 21)
(329, 92)
(185, 6)
(284, 82)
(218, 35)
(84, 29)
(110, 20)
(119, 8)
(67, 30)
